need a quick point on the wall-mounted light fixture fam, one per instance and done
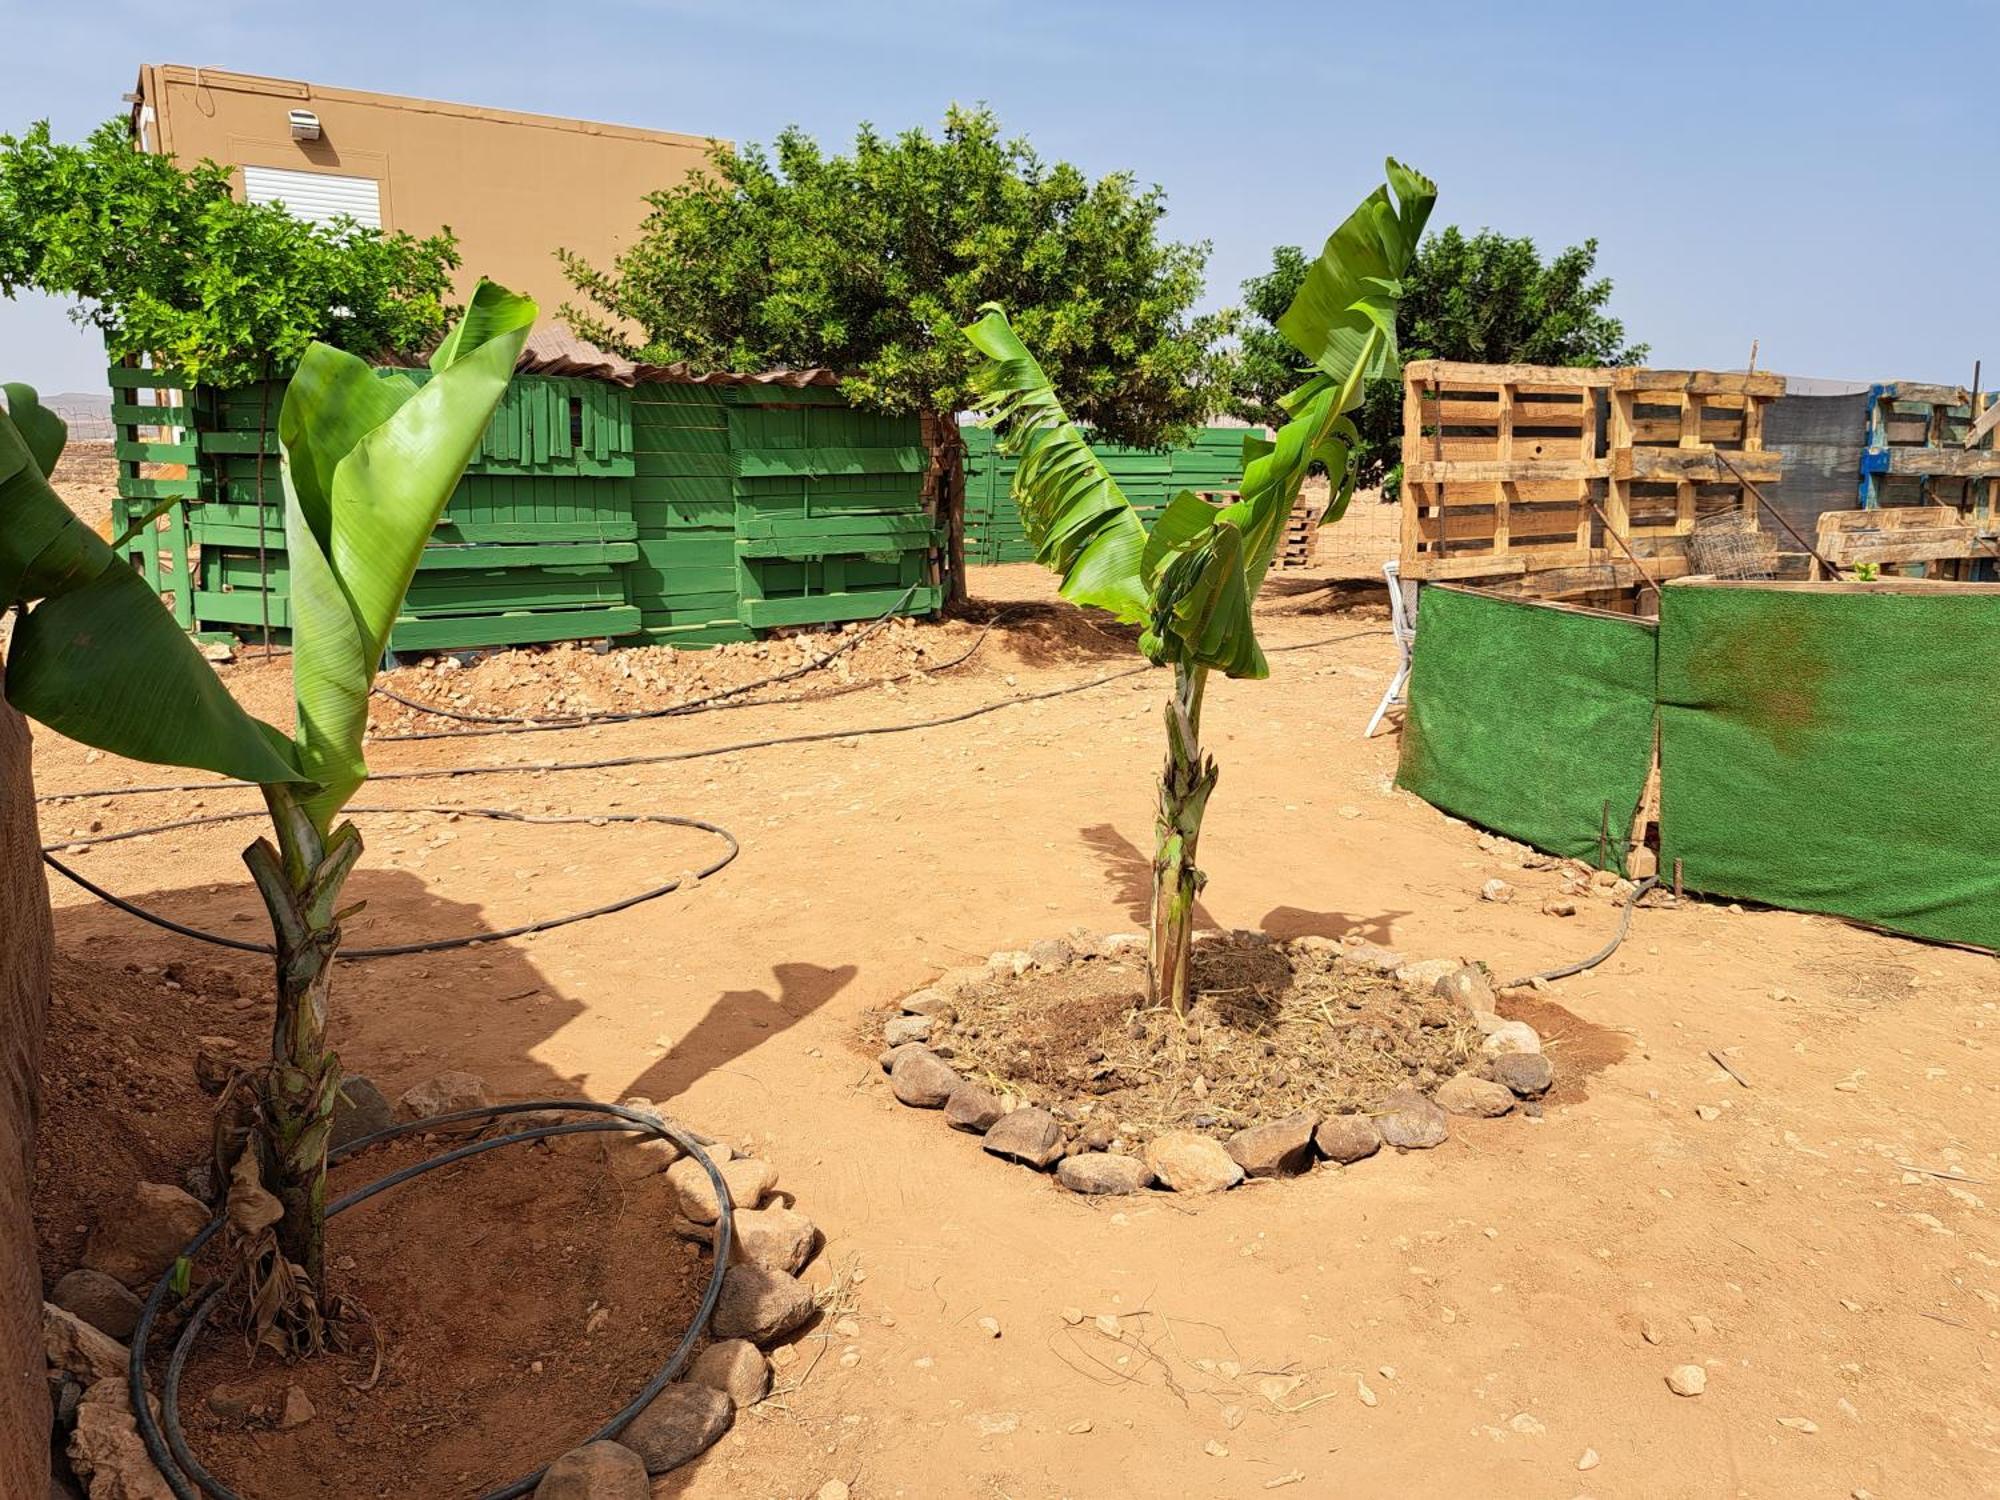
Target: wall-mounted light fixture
(305, 125)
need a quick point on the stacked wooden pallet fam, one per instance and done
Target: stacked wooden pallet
(1566, 482)
(1295, 548)
(1915, 457)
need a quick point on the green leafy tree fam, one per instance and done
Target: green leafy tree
(868, 263)
(1485, 298)
(1191, 581)
(370, 459)
(168, 264)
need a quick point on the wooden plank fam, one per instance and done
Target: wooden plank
(1493, 471)
(1700, 465)
(1535, 377)
(1944, 463)
(1700, 382)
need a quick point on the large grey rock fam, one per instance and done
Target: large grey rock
(1099, 1173)
(922, 1079)
(1527, 1074)
(679, 1424)
(142, 1233)
(1190, 1163)
(760, 1304)
(1050, 953)
(1278, 1148)
(972, 1107)
(737, 1368)
(106, 1305)
(445, 1094)
(933, 1003)
(900, 1031)
(1469, 1094)
(1468, 987)
(596, 1471)
(360, 1110)
(77, 1349)
(1409, 1121)
(779, 1239)
(1510, 1036)
(1347, 1138)
(747, 1178)
(1030, 1135)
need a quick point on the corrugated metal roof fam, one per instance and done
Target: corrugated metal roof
(553, 349)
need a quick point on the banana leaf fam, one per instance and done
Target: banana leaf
(95, 655)
(370, 462)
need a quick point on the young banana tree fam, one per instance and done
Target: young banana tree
(1191, 580)
(370, 459)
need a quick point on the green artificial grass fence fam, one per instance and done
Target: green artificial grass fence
(1832, 749)
(1534, 720)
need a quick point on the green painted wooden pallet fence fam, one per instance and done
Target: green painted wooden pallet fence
(685, 514)
(1210, 464)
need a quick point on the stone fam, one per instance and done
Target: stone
(1496, 890)
(105, 1304)
(1050, 953)
(445, 1094)
(1467, 986)
(79, 1349)
(1511, 1036)
(1372, 957)
(1029, 1135)
(973, 1107)
(1409, 1121)
(1098, 1135)
(217, 1059)
(900, 1031)
(737, 1368)
(921, 1079)
(1423, 975)
(1123, 944)
(1190, 1163)
(679, 1424)
(1100, 1174)
(106, 1450)
(360, 1110)
(777, 1238)
(142, 1233)
(747, 1178)
(760, 1304)
(596, 1471)
(1347, 1138)
(1469, 1094)
(1589, 1460)
(1277, 1148)
(931, 1003)
(1527, 1074)
(833, 1489)
(1687, 1380)
(298, 1409)
(1558, 908)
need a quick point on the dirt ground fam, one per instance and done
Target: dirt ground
(1472, 1320)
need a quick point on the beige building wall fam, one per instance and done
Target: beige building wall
(513, 187)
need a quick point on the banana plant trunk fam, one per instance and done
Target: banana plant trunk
(1185, 784)
(300, 880)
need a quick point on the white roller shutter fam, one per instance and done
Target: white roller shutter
(319, 196)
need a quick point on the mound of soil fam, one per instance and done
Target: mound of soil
(1274, 1029)
(521, 1298)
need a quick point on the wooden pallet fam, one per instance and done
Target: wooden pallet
(1572, 482)
(1898, 537)
(1295, 547)
(1916, 453)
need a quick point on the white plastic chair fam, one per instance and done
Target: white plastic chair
(1404, 626)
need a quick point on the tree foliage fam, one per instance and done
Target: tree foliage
(1487, 298)
(168, 263)
(868, 263)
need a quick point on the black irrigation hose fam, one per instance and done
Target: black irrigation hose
(1624, 924)
(620, 762)
(531, 723)
(431, 945)
(168, 1448)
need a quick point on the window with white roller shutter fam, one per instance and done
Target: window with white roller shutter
(318, 196)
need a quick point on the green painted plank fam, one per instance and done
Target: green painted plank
(131, 450)
(514, 628)
(131, 378)
(814, 609)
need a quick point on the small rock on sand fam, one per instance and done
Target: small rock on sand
(679, 1424)
(1031, 1136)
(1409, 1121)
(1100, 1173)
(1687, 1380)
(973, 1108)
(1190, 1163)
(737, 1368)
(596, 1471)
(1347, 1138)
(1278, 1148)
(922, 1079)
(1468, 1094)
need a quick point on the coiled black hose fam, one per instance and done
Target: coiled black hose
(166, 1443)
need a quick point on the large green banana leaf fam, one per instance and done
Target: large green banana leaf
(1194, 578)
(96, 656)
(369, 464)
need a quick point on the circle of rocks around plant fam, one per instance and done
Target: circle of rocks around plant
(1505, 1070)
(764, 1304)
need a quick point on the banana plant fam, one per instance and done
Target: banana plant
(370, 459)
(1190, 581)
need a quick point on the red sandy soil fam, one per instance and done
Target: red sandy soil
(1491, 1297)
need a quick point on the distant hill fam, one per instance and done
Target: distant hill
(89, 416)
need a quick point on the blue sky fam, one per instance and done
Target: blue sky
(1813, 176)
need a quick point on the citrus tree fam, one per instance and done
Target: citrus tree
(370, 459)
(1190, 581)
